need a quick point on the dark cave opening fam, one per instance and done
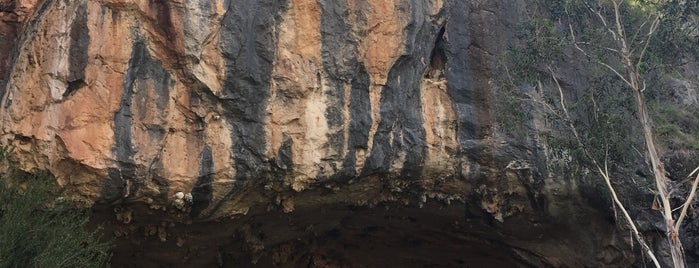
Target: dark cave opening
(388, 235)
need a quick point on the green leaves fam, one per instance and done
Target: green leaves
(542, 45)
(38, 230)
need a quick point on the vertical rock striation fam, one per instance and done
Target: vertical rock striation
(296, 92)
(281, 104)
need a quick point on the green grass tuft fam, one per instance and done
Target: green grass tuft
(38, 229)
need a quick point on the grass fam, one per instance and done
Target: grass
(38, 229)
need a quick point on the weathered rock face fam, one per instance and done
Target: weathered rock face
(254, 106)
(133, 100)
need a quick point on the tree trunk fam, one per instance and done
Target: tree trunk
(676, 249)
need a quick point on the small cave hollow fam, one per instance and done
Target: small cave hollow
(438, 58)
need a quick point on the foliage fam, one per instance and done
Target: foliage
(677, 128)
(678, 33)
(667, 130)
(512, 116)
(604, 110)
(618, 38)
(39, 230)
(560, 9)
(542, 45)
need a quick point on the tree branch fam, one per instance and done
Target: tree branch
(688, 202)
(604, 173)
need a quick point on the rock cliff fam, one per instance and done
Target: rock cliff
(225, 131)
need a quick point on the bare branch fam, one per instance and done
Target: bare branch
(604, 173)
(572, 33)
(620, 29)
(602, 47)
(661, 182)
(615, 72)
(690, 197)
(651, 33)
(600, 16)
(638, 31)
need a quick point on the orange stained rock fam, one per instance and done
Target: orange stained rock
(86, 117)
(440, 127)
(297, 103)
(381, 47)
(76, 130)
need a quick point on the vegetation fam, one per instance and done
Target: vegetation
(37, 229)
(620, 57)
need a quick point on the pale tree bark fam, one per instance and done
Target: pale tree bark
(626, 69)
(604, 172)
(662, 183)
(630, 58)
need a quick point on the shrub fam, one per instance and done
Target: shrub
(37, 229)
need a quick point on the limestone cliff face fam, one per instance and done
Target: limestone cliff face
(143, 99)
(279, 103)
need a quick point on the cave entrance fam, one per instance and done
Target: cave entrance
(390, 235)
